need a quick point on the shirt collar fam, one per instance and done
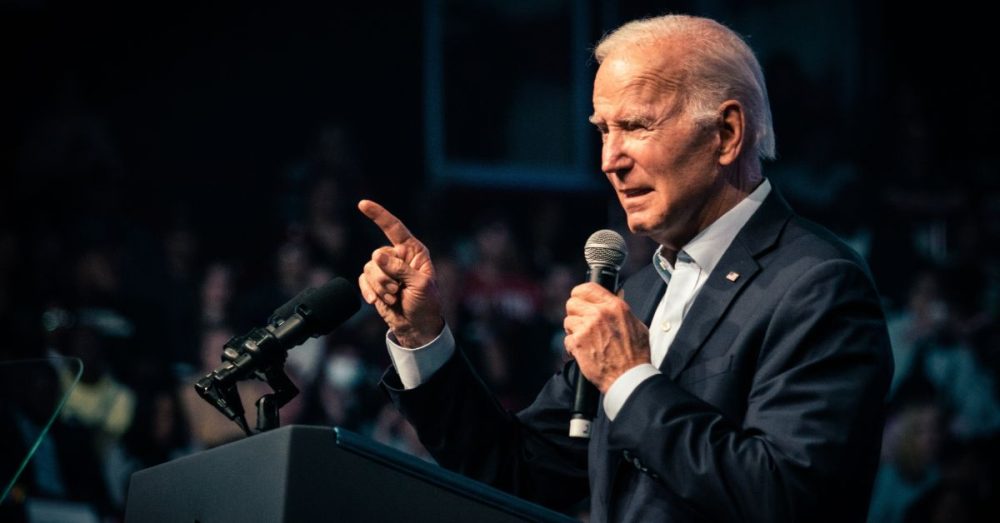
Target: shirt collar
(706, 248)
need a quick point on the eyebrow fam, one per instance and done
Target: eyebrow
(636, 117)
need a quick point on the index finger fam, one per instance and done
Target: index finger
(393, 229)
(591, 292)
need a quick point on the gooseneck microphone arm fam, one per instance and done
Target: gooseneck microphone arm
(261, 353)
(257, 355)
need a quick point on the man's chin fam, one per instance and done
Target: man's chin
(645, 228)
(639, 225)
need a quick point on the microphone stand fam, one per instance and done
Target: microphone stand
(258, 352)
(268, 404)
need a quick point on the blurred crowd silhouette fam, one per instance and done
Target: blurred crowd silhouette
(141, 283)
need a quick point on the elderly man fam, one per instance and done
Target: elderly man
(744, 371)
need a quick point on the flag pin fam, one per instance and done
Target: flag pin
(732, 276)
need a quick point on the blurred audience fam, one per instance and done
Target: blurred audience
(99, 401)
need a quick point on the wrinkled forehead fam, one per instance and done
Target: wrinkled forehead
(630, 91)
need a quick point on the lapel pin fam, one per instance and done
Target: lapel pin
(732, 276)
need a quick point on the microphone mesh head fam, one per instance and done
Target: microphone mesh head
(605, 247)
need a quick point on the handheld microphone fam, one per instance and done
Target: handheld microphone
(605, 252)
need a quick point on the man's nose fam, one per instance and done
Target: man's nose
(614, 159)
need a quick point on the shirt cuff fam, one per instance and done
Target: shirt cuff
(416, 366)
(623, 387)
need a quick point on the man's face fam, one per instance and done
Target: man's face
(663, 166)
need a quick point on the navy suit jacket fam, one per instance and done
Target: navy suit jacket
(769, 407)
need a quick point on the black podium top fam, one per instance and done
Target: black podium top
(303, 473)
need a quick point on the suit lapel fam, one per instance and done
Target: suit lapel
(643, 291)
(709, 307)
(736, 269)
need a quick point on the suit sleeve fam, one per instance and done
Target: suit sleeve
(814, 411)
(462, 425)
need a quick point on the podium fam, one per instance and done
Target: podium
(306, 473)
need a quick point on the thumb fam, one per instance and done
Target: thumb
(394, 267)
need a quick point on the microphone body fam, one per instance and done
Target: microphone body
(605, 252)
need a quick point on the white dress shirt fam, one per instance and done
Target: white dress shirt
(695, 261)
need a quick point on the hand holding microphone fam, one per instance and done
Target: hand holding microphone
(602, 334)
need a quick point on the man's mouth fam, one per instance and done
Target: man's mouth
(636, 192)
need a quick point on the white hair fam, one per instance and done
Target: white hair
(717, 66)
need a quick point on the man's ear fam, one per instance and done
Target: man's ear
(732, 126)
